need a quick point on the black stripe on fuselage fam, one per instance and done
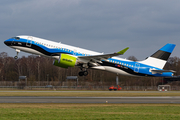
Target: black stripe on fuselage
(34, 47)
(161, 55)
(104, 63)
(123, 68)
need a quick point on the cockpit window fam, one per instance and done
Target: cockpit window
(17, 38)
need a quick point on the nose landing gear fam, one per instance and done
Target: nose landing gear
(18, 51)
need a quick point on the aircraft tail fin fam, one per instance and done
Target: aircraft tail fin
(159, 58)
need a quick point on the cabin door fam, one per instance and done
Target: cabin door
(75, 52)
(29, 41)
(136, 68)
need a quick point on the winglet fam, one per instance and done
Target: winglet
(123, 51)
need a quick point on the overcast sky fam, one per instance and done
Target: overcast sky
(99, 25)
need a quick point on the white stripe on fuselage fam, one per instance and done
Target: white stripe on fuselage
(56, 45)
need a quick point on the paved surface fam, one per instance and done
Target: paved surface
(94, 91)
(89, 99)
(90, 91)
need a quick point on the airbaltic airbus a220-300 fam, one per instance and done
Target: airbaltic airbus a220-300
(68, 56)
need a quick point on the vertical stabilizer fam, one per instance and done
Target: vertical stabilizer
(159, 58)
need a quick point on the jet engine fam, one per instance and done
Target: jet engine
(65, 61)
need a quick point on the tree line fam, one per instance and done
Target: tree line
(42, 69)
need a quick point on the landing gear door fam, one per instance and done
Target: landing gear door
(136, 68)
(29, 41)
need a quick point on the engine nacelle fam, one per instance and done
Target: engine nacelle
(65, 61)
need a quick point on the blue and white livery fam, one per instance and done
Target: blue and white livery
(69, 56)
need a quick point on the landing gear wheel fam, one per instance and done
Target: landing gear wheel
(85, 73)
(16, 57)
(81, 73)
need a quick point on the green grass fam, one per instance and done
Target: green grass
(89, 111)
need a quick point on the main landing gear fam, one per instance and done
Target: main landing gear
(83, 73)
(16, 57)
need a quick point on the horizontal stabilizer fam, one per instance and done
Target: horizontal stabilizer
(161, 71)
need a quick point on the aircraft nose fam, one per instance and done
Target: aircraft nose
(6, 42)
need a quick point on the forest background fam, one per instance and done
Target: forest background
(39, 69)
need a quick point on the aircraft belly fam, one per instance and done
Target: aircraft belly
(29, 50)
(118, 71)
(111, 69)
(98, 67)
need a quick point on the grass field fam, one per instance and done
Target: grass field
(88, 93)
(50, 111)
(89, 111)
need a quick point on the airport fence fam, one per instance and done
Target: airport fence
(124, 88)
(55, 85)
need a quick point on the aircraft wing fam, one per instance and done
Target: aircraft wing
(161, 71)
(102, 57)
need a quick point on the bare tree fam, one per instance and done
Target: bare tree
(133, 58)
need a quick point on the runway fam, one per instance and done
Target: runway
(89, 99)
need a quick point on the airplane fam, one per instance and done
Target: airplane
(69, 56)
